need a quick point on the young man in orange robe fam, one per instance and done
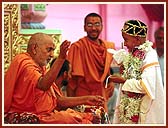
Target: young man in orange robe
(90, 61)
(29, 87)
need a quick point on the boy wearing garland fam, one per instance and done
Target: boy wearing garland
(141, 97)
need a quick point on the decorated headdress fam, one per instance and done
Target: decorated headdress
(135, 28)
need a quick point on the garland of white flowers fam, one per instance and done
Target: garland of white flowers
(129, 107)
(132, 64)
(129, 110)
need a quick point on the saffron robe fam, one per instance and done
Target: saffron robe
(90, 66)
(21, 94)
(152, 107)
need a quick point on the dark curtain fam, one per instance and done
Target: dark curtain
(155, 12)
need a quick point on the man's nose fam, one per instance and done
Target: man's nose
(93, 27)
(52, 54)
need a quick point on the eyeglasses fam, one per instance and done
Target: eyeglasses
(95, 24)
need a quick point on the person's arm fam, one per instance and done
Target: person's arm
(46, 81)
(65, 102)
(146, 85)
(116, 79)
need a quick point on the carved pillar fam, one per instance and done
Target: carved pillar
(15, 38)
(11, 27)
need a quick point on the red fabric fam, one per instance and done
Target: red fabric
(155, 12)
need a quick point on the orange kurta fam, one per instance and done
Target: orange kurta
(90, 66)
(21, 94)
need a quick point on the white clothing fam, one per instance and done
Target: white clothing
(151, 85)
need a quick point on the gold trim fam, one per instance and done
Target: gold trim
(14, 41)
(130, 26)
(149, 65)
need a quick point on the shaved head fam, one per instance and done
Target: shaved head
(39, 39)
(41, 48)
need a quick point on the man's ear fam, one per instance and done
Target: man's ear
(84, 27)
(138, 38)
(33, 48)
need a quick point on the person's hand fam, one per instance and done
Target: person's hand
(64, 47)
(116, 79)
(94, 100)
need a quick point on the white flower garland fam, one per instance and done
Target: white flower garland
(132, 64)
(129, 107)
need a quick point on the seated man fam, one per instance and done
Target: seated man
(29, 87)
(66, 102)
(82, 103)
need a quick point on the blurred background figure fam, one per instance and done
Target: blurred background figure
(159, 45)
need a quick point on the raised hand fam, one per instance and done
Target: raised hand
(64, 47)
(116, 79)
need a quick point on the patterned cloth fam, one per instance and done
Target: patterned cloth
(96, 111)
(21, 118)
